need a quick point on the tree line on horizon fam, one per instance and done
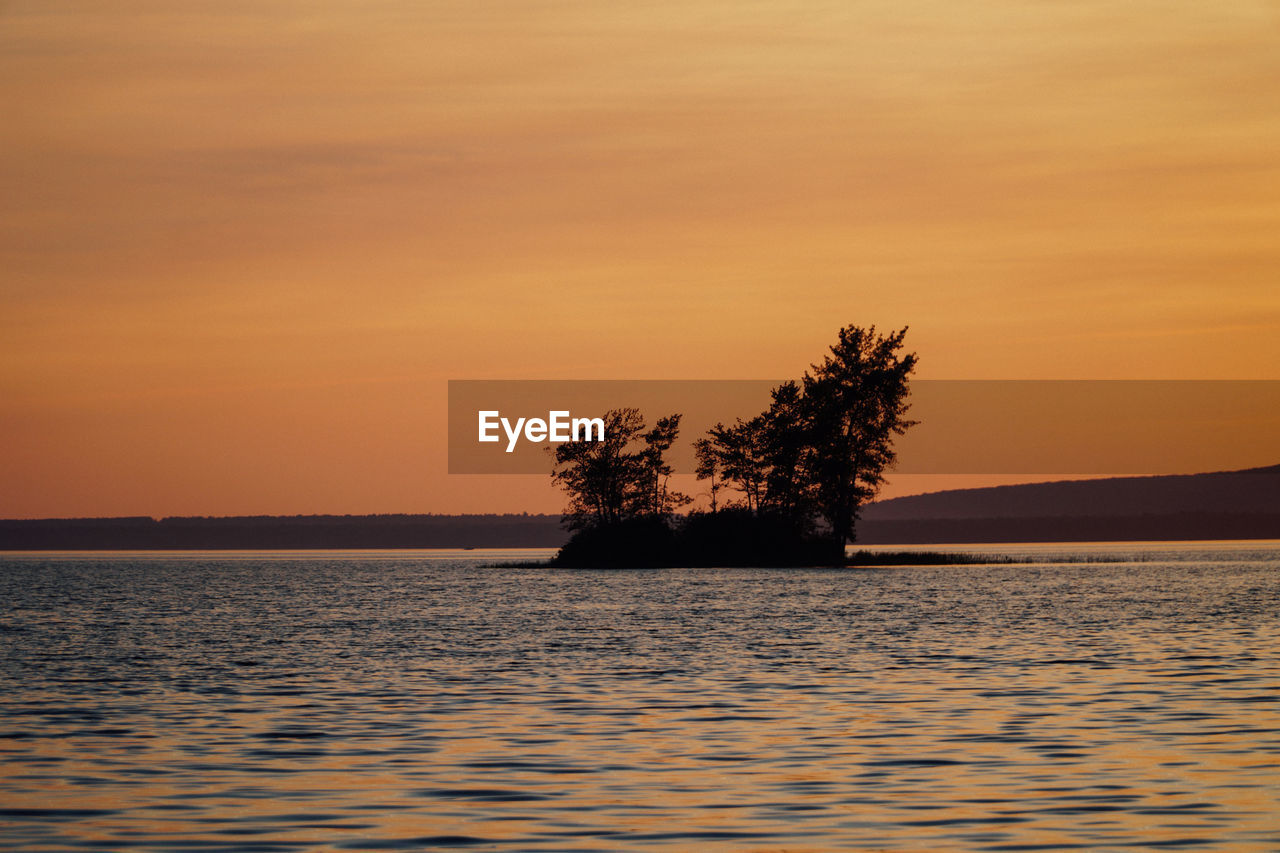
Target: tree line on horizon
(786, 485)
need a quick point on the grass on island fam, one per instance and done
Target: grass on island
(858, 560)
(741, 540)
(873, 559)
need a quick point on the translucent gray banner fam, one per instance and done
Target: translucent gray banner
(965, 426)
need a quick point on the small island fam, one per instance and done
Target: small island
(786, 486)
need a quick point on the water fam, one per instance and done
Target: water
(378, 700)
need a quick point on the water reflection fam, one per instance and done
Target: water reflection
(383, 701)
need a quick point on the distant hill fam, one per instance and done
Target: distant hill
(1221, 505)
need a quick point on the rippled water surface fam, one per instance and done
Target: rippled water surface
(378, 700)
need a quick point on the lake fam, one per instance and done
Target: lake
(401, 700)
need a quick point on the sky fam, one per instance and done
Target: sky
(244, 246)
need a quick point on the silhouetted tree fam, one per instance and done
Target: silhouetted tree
(763, 458)
(819, 452)
(600, 476)
(737, 451)
(804, 467)
(655, 498)
(708, 468)
(854, 404)
(613, 480)
(785, 448)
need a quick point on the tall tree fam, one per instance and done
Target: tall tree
(708, 468)
(653, 496)
(737, 451)
(855, 403)
(819, 452)
(784, 434)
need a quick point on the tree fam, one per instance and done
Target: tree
(708, 468)
(820, 450)
(854, 404)
(762, 458)
(735, 452)
(654, 498)
(804, 467)
(611, 481)
(599, 475)
(784, 433)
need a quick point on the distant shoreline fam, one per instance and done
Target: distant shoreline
(1226, 505)
(402, 532)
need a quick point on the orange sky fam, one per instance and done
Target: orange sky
(243, 246)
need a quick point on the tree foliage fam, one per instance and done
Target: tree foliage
(802, 470)
(625, 476)
(819, 452)
(855, 405)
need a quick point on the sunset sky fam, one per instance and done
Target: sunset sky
(243, 246)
